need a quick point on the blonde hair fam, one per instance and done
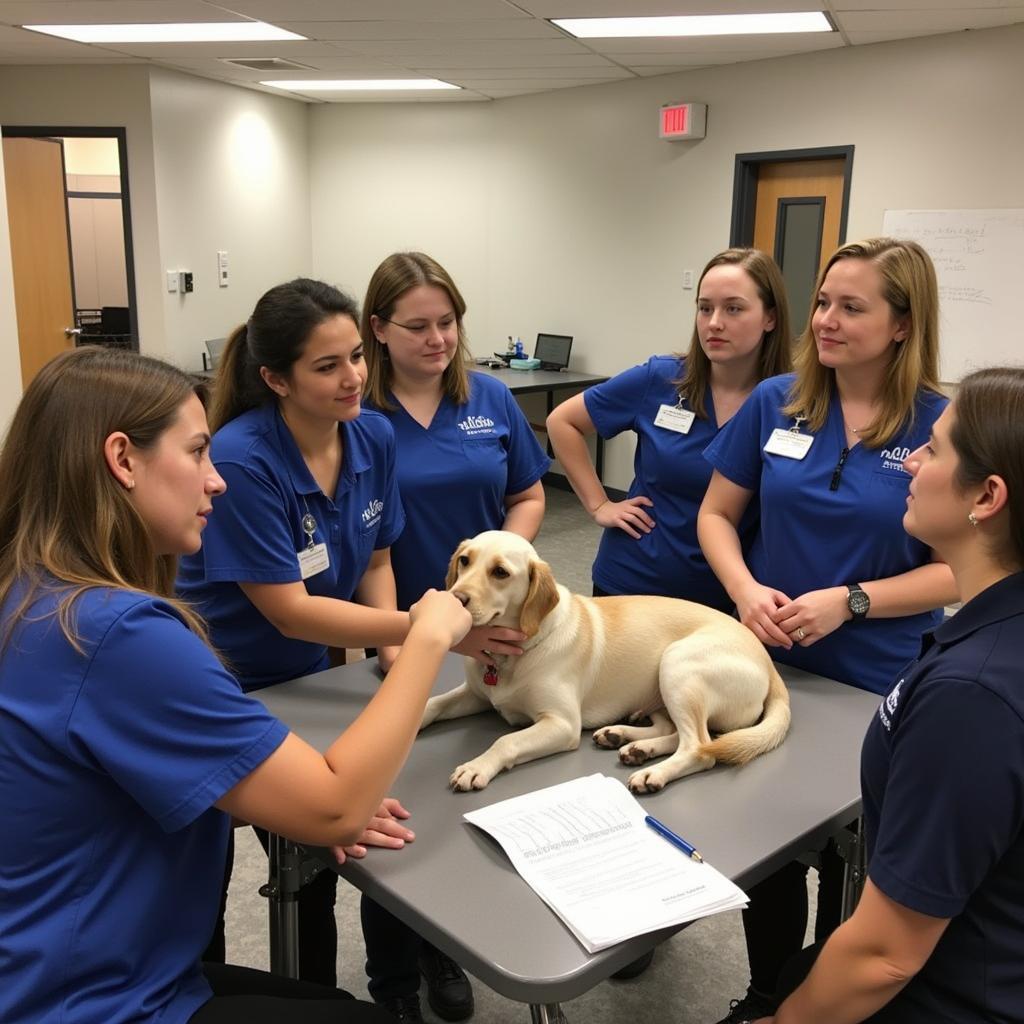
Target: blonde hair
(391, 280)
(775, 352)
(912, 292)
(65, 523)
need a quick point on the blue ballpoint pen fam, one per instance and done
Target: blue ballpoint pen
(666, 833)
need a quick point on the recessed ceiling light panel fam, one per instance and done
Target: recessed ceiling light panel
(694, 25)
(185, 32)
(362, 84)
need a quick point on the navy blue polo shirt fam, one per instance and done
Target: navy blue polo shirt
(668, 468)
(111, 759)
(256, 531)
(454, 477)
(942, 773)
(812, 537)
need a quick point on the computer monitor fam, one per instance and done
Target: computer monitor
(553, 350)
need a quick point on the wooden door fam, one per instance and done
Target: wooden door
(797, 218)
(40, 250)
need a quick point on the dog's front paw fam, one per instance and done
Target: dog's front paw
(650, 780)
(635, 753)
(609, 737)
(470, 775)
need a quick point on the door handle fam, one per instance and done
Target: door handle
(72, 332)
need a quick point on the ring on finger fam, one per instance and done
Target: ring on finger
(800, 634)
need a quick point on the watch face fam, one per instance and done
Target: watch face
(859, 602)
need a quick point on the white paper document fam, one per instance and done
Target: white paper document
(584, 848)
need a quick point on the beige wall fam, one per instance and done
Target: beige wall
(564, 212)
(210, 167)
(232, 173)
(10, 361)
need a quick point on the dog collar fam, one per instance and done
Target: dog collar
(491, 675)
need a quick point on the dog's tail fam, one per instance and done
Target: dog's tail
(743, 745)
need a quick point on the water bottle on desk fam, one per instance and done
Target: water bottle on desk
(519, 353)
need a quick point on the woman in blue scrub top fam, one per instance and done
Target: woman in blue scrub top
(466, 461)
(938, 934)
(676, 405)
(832, 584)
(126, 747)
(297, 560)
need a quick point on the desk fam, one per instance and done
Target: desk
(457, 888)
(526, 382)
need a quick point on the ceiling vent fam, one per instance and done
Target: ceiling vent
(266, 64)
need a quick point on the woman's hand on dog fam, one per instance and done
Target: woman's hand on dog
(482, 642)
(442, 613)
(757, 607)
(813, 615)
(628, 516)
(384, 829)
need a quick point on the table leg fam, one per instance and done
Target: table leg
(546, 1013)
(282, 893)
(853, 850)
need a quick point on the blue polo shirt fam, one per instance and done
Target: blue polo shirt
(668, 468)
(256, 531)
(112, 858)
(454, 477)
(812, 537)
(942, 773)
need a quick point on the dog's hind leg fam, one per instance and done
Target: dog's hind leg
(611, 737)
(685, 700)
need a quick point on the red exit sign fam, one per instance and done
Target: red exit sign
(683, 121)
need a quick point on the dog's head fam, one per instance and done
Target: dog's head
(500, 579)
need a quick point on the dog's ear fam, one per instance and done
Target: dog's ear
(453, 566)
(540, 598)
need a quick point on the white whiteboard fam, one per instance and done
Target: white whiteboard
(979, 261)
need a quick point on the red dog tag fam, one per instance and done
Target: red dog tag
(491, 675)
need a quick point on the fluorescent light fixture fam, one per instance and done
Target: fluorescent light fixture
(185, 32)
(694, 25)
(361, 84)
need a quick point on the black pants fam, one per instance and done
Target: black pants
(776, 919)
(392, 948)
(244, 996)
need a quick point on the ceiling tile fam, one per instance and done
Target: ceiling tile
(569, 60)
(929, 22)
(659, 8)
(375, 10)
(921, 5)
(87, 12)
(520, 28)
(459, 47)
(460, 75)
(295, 50)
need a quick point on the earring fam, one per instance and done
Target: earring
(972, 519)
(130, 485)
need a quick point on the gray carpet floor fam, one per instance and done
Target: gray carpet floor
(694, 974)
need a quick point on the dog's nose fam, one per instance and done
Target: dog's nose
(464, 598)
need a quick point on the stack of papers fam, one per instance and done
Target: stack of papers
(585, 849)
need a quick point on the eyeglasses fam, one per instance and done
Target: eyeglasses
(444, 325)
(837, 473)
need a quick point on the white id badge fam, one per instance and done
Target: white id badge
(789, 444)
(313, 560)
(671, 417)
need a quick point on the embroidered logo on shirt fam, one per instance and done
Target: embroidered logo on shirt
(888, 706)
(892, 458)
(473, 425)
(371, 514)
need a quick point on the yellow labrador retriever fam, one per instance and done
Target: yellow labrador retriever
(588, 662)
